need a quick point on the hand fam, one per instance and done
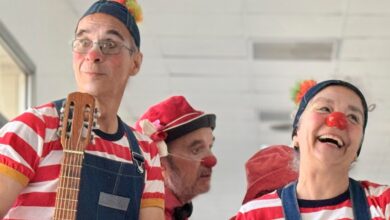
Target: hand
(9, 190)
(155, 213)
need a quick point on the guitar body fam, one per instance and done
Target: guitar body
(76, 122)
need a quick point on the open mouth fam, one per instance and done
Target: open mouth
(205, 175)
(332, 140)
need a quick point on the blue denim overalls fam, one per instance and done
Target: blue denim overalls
(361, 210)
(111, 190)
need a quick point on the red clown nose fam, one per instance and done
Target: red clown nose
(337, 119)
(209, 161)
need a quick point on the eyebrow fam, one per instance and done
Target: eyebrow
(355, 109)
(196, 142)
(81, 32)
(109, 32)
(116, 33)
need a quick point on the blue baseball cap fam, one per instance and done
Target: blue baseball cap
(118, 11)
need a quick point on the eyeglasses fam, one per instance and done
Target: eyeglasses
(108, 47)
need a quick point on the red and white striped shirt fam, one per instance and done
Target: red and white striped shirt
(269, 206)
(31, 152)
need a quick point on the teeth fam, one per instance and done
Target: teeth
(340, 142)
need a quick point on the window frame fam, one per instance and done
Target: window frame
(22, 60)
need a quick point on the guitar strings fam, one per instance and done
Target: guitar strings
(78, 168)
(70, 173)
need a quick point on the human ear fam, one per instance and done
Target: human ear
(295, 143)
(137, 61)
(164, 162)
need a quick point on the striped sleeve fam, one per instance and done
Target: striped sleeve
(268, 206)
(378, 199)
(22, 142)
(153, 195)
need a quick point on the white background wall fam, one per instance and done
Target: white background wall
(203, 50)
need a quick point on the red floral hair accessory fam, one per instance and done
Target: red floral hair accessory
(300, 89)
(133, 7)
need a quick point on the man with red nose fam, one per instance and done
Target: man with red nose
(119, 177)
(328, 133)
(185, 138)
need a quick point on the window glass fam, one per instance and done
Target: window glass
(12, 86)
(16, 72)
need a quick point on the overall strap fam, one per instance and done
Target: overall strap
(288, 196)
(360, 207)
(138, 158)
(58, 105)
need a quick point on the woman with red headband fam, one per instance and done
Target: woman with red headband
(328, 133)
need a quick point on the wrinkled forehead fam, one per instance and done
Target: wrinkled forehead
(337, 92)
(102, 25)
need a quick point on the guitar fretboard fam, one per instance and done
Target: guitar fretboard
(68, 187)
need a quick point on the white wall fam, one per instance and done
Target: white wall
(44, 29)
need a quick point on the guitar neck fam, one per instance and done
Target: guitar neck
(77, 122)
(68, 187)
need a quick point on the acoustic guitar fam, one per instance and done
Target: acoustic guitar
(78, 117)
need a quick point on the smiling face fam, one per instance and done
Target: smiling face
(185, 175)
(323, 141)
(104, 74)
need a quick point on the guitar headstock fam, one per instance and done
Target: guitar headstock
(78, 118)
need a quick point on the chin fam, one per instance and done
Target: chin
(203, 191)
(204, 188)
(88, 89)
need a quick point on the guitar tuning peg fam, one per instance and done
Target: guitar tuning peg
(84, 132)
(96, 113)
(95, 125)
(91, 138)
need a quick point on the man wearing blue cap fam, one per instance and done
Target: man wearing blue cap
(328, 133)
(120, 175)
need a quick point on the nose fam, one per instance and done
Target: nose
(337, 119)
(209, 161)
(95, 54)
